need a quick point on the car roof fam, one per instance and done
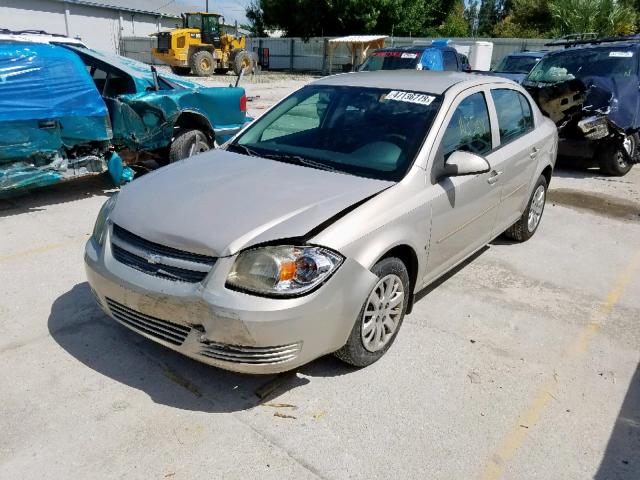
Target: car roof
(414, 48)
(604, 46)
(529, 54)
(426, 81)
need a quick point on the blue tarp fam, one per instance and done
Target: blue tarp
(44, 81)
(432, 59)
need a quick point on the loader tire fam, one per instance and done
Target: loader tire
(202, 63)
(243, 61)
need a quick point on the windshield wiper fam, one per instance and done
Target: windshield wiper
(243, 149)
(298, 160)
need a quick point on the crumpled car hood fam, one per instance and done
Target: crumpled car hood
(221, 202)
(616, 97)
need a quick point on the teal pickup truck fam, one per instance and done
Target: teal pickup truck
(68, 111)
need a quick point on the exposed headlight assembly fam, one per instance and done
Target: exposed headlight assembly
(282, 271)
(99, 229)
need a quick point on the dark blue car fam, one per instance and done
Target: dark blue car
(591, 91)
(517, 65)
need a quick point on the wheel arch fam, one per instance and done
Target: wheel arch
(407, 255)
(547, 172)
(190, 119)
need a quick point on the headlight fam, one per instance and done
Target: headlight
(283, 270)
(99, 229)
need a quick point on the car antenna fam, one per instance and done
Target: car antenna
(240, 75)
(156, 84)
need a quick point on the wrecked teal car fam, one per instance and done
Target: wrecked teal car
(66, 112)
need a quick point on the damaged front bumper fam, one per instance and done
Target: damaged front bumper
(225, 328)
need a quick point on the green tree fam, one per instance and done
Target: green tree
(471, 16)
(307, 18)
(455, 24)
(487, 17)
(604, 17)
(256, 19)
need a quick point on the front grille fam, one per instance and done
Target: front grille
(159, 260)
(252, 355)
(155, 327)
(164, 41)
(157, 269)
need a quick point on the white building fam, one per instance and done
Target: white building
(99, 23)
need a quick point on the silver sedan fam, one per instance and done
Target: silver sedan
(312, 230)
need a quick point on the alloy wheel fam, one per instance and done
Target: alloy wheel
(536, 208)
(382, 313)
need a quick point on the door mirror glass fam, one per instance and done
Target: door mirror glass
(465, 163)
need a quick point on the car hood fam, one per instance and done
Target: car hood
(221, 202)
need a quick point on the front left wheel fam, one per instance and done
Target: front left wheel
(381, 316)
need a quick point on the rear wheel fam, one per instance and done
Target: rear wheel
(381, 316)
(181, 70)
(527, 225)
(202, 63)
(187, 144)
(615, 160)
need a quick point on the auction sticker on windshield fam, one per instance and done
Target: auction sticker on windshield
(621, 54)
(410, 97)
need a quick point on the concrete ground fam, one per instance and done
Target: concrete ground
(522, 364)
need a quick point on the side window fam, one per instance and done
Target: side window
(515, 117)
(450, 61)
(469, 128)
(304, 116)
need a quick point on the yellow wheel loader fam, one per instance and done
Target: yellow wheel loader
(204, 47)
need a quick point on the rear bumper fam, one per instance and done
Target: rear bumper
(229, 329)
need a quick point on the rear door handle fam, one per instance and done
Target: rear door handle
(534, 152)
(494, 177)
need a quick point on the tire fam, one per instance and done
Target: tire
(614, 161)
(188, 143)
(181, 70)
(242, 60)
(221, 71)
(523, 230)
(202, 63)
(358, 349)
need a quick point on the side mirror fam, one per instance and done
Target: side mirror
(465, 163)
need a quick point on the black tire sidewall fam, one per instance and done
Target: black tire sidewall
(183, 141)
(525, 216)
(195, 63)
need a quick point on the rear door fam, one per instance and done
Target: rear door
(516, 153)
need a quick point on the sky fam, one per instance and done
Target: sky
(231, 9)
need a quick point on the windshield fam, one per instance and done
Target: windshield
(580, 63)
(516, 64)
(193, 21)
(391, 61)
(368, 132)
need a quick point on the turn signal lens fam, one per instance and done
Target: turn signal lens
(243, 103)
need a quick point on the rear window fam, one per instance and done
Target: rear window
(450, 61)
(399, 60)
(514, 114)
(587, 62)
(516, 64)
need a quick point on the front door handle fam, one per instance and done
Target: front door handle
(494, 177)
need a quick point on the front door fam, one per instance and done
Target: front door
(464, 208)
